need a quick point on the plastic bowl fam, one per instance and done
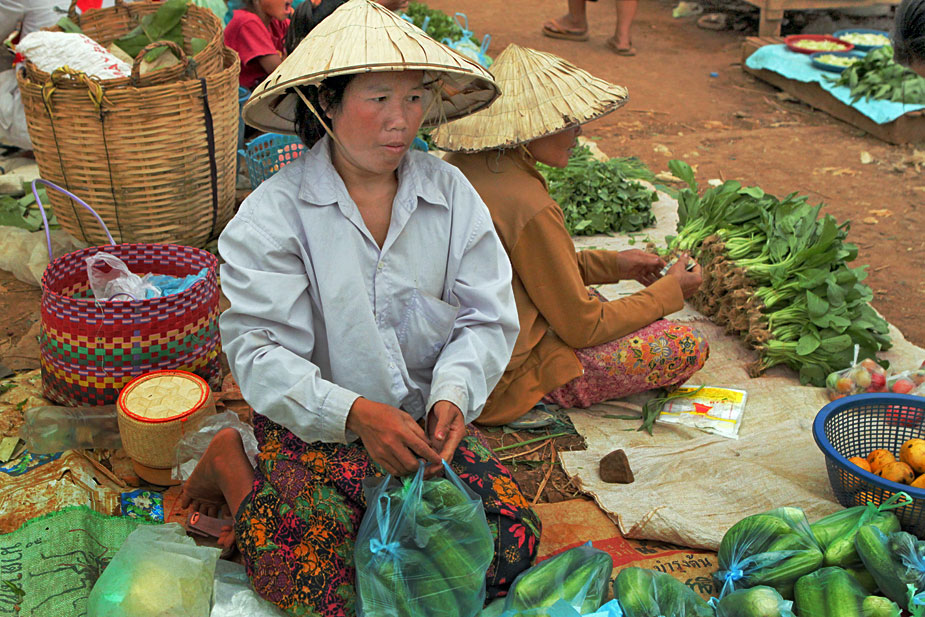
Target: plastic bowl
(833, 67)
(839, 33)
(793, 40)
(855, 425)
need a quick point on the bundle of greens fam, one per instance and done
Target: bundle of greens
(776, 273)
(877, 76)
(601, 196)
(24, 212)
(164, 24)
(437, 24)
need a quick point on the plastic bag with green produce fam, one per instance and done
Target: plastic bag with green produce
(758, 601)
(578, 577)
(836, 532)
(422, 549)
(832, 592)
(774, 549)
(897, 563)
(650, 593)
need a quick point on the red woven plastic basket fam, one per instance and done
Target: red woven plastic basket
(90, 349)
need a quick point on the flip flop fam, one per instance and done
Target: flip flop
(620, 51)
(538, 417)
(557, 32)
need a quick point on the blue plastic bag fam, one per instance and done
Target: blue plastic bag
(422, 549)
(466, 46)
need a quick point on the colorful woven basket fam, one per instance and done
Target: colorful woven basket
(90, 350)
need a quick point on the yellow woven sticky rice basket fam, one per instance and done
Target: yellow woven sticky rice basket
(157, 162)
(106, 25)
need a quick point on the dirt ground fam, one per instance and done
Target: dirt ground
(729, 127)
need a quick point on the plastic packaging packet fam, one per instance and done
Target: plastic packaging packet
(760, 600)
(235, 596)
(193, 445)
(906, 382)
(837, 531)
(833, 592)
(110, 279)
(774, 548)
(711, 409)
(422, 549)
(578, 577)
(643, 593)
(158, 572)
(866, 376)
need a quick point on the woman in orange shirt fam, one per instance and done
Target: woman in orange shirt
(574, 348)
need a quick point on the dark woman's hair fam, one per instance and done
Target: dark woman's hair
(306, 16)
(328, 96)
(909, 32)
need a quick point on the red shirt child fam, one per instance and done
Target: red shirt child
(251, 38)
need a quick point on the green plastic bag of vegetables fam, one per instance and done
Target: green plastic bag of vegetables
(650, 593)
(832, 592)
(422, 549)
(774, 548)
(760, 601)
(897, 563)
(836, 532)
(578, 576)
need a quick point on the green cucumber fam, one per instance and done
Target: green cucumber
(843, 593)
(864, 577)
(809, 597)
(842, 552)
(758, 601)
(874, 548)
(635, 589)
(878, 606)
(562, 576)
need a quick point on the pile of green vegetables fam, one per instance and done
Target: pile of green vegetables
(601, 196)
(437, 24)
(776, 273)
(877, 76)
(23, 212)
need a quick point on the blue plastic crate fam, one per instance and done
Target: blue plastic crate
(855, 425)
(267, 154)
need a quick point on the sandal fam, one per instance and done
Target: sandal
(620, 51)
(554, 30)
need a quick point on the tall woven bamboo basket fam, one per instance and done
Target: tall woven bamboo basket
(157, 162)
(106, 25)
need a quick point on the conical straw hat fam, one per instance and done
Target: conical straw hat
(542, 94)
(362, 36)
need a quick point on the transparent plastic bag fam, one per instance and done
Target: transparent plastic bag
(833, 592)
(644, 593)
(906, 382)
(110, 279)
(760, 600)
(422, 549)
(837, 531)
(578, 577)
(860, 377)
(235, 596)
(193, 445)
(158, 572)
(774, 548)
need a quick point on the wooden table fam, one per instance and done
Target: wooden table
(908, 128)
(772, 11)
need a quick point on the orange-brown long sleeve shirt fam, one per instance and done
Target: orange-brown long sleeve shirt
(556, 314)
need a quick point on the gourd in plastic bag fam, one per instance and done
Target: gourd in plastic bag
(836, 532)
(832, 592)
(158, 572)
(650, 593)
(110, 279)
(757, 601)
(578, 577)
(422, 549)
(774, 548)
(897, 563)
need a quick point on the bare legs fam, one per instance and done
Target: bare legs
(626, 11)
(575, 21)
(222, 479)
(574, 25)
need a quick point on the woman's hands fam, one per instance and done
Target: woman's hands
(688, 279)
(393, 439)
(446, 427)
(639, 266)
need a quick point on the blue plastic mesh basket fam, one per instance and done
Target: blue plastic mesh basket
(267, 154)
(855, 425)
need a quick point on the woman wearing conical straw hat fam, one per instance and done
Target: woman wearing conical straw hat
(369, 293)
(574, 348)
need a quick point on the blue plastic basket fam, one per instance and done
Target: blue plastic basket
(855, 425)
(865, 48)
(267, 154)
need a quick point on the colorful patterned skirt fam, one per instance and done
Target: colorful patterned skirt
(296, 529)
(662, 354)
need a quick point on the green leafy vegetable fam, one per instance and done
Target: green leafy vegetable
(23, 212)
(601, 196)
(435, 22)
(877, 76)
(164, 24)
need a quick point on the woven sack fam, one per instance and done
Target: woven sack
(90, 350)
(157, 162)
(106, 25)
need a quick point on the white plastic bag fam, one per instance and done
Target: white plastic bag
(235, 596)
(110, 279)
(13, 129)
(52, 50)
(192, 445)
(25, 253)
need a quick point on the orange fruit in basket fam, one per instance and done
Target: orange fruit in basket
(919, 482)
(862, 498)
(860, 462)
(897, 471)
(879, 458)
(913, 454)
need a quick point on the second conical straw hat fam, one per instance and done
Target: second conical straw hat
(542, 94)
(362, 36)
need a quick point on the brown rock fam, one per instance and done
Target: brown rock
(615, 468)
